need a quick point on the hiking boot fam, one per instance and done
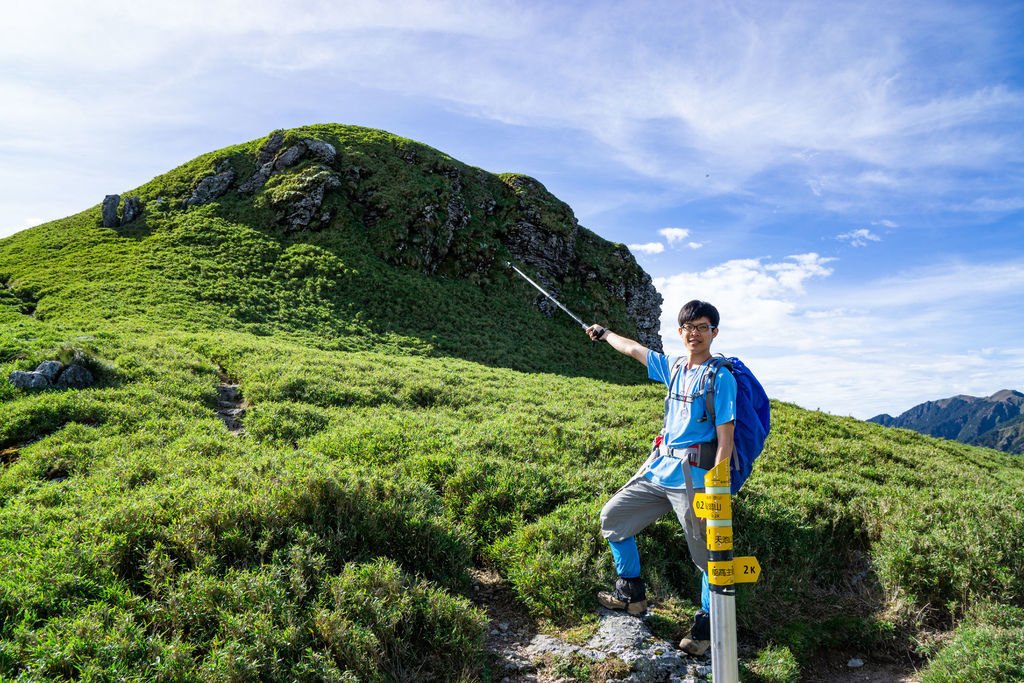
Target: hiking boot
(629, 595)
(694, 648)
(699, 640)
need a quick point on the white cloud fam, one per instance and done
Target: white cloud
(647, 248)
(859, 238)
(714, 96)
(753, 297)
(673, 235)
(862, 348)
(886, 223)
(695, 245)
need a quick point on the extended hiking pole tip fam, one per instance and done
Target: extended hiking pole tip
(545, 293)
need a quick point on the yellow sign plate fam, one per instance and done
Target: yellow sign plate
(718, 475)
(719, 538)
(721, 573)
(746, 569)
(740, 570)
(712, 505)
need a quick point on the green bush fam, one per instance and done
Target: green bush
(987, 646)
(552, 564)
(773, 664)
(381, 625)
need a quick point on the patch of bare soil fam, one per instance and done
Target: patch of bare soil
(837, 669)
(9, 456)
(510, 630)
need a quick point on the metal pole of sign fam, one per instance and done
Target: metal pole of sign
(724, 571)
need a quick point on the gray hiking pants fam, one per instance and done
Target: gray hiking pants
(640, 503)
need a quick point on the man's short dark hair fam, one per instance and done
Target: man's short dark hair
(692, 310)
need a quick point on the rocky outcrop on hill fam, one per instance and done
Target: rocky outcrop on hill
(548, 238)
(996, 421)
(110, 217)
(426, 211)
(53, 373)
(109, 210)
(212, 186)
(132, 210)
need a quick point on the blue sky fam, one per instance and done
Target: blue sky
(845, 180)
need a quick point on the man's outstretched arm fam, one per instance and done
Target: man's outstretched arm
(623, 345)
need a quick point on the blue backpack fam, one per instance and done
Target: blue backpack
(753, 416)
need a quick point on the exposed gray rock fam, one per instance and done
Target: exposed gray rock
(541, 645)
(264, 163)
(643, 302)
(50, 369)
(629, 639)
(546, 246)
(258, 179)
(430, 237)
(132, 210)
(109, 210)
(289, 156)
(545, 239)
(212, 186)
(274, 158)
(28, 380)
(75, 377)
(320, 150)
(458, 217)
(270, 148)
(301, 206)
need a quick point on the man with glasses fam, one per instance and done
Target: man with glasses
(686, 449)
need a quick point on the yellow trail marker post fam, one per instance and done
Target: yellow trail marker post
(724, 571)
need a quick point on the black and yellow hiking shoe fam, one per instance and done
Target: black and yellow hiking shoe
(629, 595)
(699, 640)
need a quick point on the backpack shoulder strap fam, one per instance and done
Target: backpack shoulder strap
(673, 374)
(714, 365)
(676, 367)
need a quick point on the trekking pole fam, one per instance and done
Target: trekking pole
(553, 299)
(724, 571)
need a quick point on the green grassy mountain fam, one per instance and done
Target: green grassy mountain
(347, 238)
(411, 414)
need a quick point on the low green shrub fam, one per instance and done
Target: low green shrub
(987, 646)
(552, 563)
(382, 625)
(773, 664)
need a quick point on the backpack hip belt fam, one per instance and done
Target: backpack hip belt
(700, 455)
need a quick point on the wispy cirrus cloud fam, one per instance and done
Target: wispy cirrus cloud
(858, 238)
(725, 87)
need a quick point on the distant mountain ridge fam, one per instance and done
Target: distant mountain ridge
(994, 422)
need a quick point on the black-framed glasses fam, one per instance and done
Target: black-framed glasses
(703, 328)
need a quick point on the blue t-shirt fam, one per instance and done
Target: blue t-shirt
(686, 422)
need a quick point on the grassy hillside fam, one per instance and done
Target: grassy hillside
(397, 435)
(372, 278)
